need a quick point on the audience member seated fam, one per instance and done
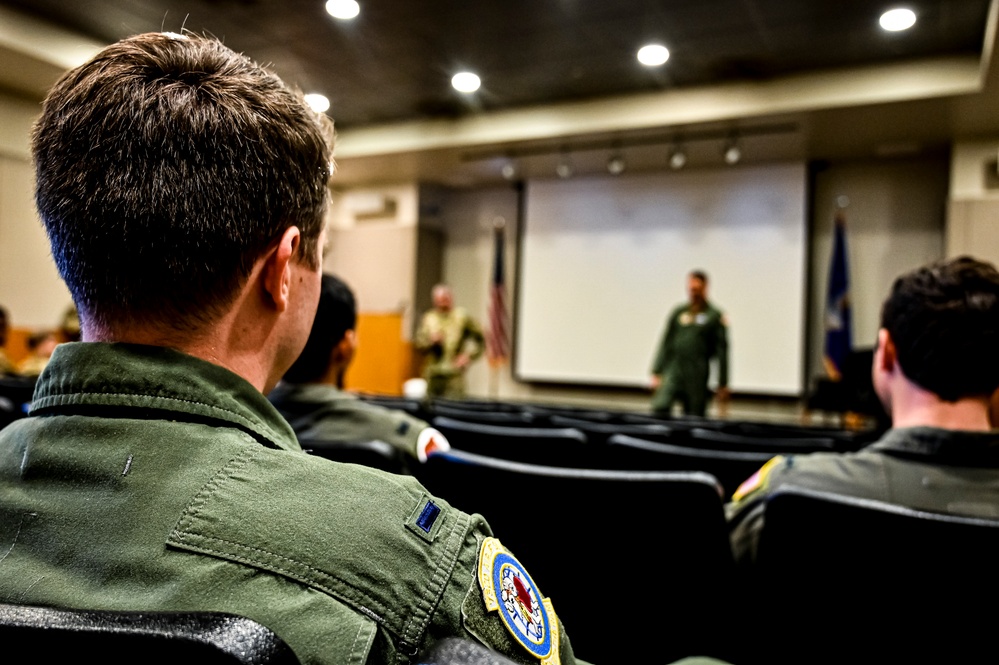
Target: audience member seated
(40, 347)
(183, 189)
(935, 366)
(311, 398)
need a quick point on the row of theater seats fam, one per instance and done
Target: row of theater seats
(600, 439)
(627, 535)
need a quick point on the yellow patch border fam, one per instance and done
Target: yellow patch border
(491, 547)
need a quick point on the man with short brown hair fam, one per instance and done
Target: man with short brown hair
(183, 189)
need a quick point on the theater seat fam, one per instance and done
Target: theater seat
(376, 454)
(49, 635)
(556, 446)
(456, 651)
(637, 563)
(855, 580)
(730, 468)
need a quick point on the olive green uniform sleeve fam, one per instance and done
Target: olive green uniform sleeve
(474, 337)
(745, 513)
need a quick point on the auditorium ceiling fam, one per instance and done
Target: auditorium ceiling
(545, 64)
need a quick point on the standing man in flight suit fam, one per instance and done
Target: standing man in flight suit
(696, 331)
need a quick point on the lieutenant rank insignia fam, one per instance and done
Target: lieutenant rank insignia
(509, 590)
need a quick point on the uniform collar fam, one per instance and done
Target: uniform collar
(114, 376)
(942, 446)
(318, 393)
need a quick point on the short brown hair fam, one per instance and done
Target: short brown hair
(944, 321)
(165, 167)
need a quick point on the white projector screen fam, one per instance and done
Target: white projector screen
(604, 259)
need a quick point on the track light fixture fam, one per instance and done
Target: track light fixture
(615, 165)
(564, 169)
(677, 156)
(732, 153)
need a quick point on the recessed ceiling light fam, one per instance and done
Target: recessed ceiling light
(615, 165)
(343, 9)
(677, 159)
(465, 82)
(318, 103)
(653, 55)
(897, 19)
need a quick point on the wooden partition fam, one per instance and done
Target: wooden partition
(384, 360)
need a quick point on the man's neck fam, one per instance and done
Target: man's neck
(218, 344)
(924, 409)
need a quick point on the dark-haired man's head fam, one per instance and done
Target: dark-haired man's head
(940, 324)
(697, 287)
(332, 341)
(165, 167)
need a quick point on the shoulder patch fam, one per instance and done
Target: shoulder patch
(757, 480)
(509, 590)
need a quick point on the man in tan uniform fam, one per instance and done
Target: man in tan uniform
(450, 340)
(935, 367)
(183, 189)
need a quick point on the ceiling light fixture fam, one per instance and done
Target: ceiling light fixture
(509, 171)
(897, 19)
(318, 103)
(653, 55)
(564, 169)
(732, 153)
(615, 165)
(343, 9)
(677, 158)
(466, 82)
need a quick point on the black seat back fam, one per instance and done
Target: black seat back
(637, 564)
(876, 582)
(730, 468)
(560, 446)
(45, 634)
(376, 454)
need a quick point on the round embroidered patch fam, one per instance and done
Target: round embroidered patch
(508, 590)
(520, 605)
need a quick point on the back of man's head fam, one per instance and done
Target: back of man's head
(336, 314)
(165, 167)
(944, 321)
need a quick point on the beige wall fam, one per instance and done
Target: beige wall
(973, 209)
(30, 286)
(895, 222)
(372, 246)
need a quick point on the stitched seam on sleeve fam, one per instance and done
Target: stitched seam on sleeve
(184, 537)
(359, 647)
(184, 532)
(441, 576)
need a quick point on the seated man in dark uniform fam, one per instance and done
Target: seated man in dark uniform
(310, 394)
(183, 189)
(935, 367)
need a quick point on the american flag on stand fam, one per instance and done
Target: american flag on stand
(498, 340)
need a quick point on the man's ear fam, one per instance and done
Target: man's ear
(885, 356)
(277, 268)
(343, 353)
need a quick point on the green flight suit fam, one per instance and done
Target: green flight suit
(146, 479)
(682, 362)
(926, 468)
(459, 331)
(323, 412)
